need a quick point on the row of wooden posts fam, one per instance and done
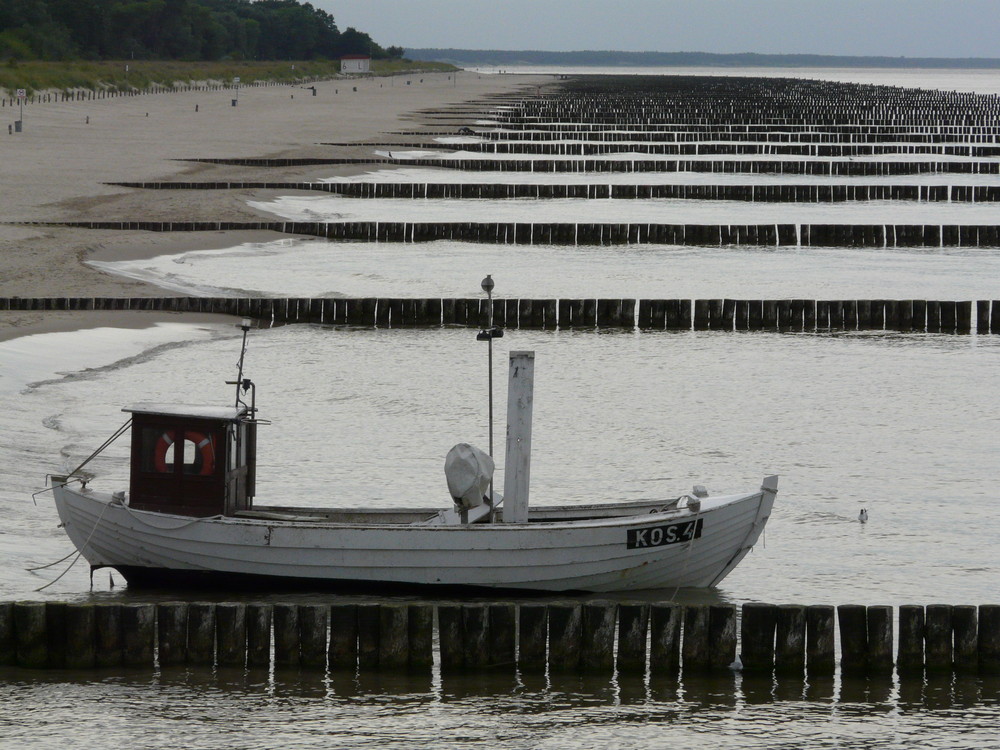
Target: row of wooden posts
(705, 149)
(913, 316)
(575, 234)
(681, 134)
(751, 193)
(823, 168)
(603, 636)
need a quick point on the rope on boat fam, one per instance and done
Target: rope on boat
(192, 522)
(82, 548)
(118, 433)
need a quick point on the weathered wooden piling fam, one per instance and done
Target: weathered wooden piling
(910, 652)
(722, 621)
(81, 636)
(420, 635)
(880, 640)
(55, 634)
(597, 647)
(820, 649)
(790, 639)
(172, 632)
(259, 620)
(853, 622)
(29, 635)
(8, 652)
(231, 634)
(138, 634)
(369, 635)
(393, 636)
(695, 646)
(503, 634)
(937, 637)
(532, 637)
(450, 637)
(110, 644)
(665, 638)
(285, 619)
(342, 652)
(989, 635)
(201, 634)
(633, 628)
(965, 638)
(757, 631)
(565, 631)
(313, 622)
(475, 636)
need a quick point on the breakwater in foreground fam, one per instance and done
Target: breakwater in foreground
(595, 636)
(795, 315)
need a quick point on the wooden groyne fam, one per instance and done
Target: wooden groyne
(747, 193)
(794, 315)
(550, 233)
(826, 168)
(593, 636)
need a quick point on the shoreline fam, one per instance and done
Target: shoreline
(57, 169)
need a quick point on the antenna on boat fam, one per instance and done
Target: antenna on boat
(488, 334)
(245, 383)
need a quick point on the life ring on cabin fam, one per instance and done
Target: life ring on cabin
(204, 456)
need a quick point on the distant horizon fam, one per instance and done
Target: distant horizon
(848, 28)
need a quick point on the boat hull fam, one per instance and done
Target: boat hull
(633, 549)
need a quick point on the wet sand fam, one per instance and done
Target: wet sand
(57, 170)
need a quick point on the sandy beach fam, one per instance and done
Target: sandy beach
(57, 168)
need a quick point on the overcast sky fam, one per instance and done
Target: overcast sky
(909, 28)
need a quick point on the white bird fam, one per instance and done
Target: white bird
(863, 516)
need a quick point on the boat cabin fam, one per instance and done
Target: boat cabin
(192, 460)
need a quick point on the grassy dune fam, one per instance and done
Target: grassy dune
(62, 76)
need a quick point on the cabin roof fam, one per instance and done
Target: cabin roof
(226, 413)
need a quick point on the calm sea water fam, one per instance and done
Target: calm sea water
(903, 425)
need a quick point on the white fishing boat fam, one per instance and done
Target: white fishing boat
(190, 518)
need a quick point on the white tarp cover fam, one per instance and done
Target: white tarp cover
(469, 472)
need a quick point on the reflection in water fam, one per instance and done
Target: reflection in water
(226, 708)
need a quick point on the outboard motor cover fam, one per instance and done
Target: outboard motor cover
(469, 472)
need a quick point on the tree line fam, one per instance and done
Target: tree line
(176, 30)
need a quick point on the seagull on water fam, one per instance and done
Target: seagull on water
(863, 516)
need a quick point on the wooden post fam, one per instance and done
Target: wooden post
(989, 635)
(81, 636)
(138, 634)
(853, 638)
(286, 635)
(201, 633)
(172, 622)
(503, 634)
(450, 637)
(532, 635)
(29, 635)
(937, 637)
(394, 636)
(910, 652)
(369, 620)
(108, 619)
(475, 635)
(879, 624)
(313, 620)
(342, 651)
(597, 650)
(722, 635)
(8, 653)
(259, 617)
(517, 466)
(633, 627)
(820, 655)
(421, 636)
(231, 633)
(757, 636)
(55, 634)
(964, 628)
(565, 626)
(695, 646)
(665, 639)
(790, 639)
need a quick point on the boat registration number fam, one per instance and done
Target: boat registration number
(658, 536)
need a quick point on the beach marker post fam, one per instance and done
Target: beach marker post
(236, 85)
(22, 94)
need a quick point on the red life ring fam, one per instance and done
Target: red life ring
(204, 457)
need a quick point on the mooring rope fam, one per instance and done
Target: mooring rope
(82, 548)
(117, 434)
